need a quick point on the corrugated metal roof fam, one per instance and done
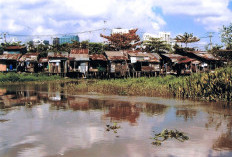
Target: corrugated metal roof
(10, 56)
(175, 58)
(79, 51)
(79, 57)
(116, 55)
(205, 55)
(154, 57)
(185, 60)
(98, 57)
(33, 57)
(57, 54)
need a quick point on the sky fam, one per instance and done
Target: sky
(54, 17)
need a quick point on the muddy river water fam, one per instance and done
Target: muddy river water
(46, 121)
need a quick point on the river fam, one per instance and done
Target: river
(43, 120)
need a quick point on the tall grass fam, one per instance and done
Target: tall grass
(209, 86)
(26, 77)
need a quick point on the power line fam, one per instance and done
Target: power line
(24, 35)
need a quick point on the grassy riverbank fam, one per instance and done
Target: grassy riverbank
(26, 77)
(208, 86)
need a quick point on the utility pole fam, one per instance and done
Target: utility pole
(4, 35)
(210, 39)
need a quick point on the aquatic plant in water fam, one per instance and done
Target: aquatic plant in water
(166, 134)
(113, 127)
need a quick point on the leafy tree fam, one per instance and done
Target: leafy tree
(96, 48)
(186, 38)
(226, 36)
(123, 41)
(85, 44)
(75, 44)
(1, 50)
(156, 45)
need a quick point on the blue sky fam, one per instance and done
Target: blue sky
(43, 17)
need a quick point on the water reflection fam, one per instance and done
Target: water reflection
(186, 113)
(50, 122)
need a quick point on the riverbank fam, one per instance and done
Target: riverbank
(216, 86)
(9, 78)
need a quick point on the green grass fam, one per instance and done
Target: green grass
(26, 77)
(209, 86)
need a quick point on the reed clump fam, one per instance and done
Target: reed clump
(211, 86)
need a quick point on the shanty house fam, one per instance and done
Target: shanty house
(43, 64)
(206, 60)
(117, 61)
(58, 62)
(29, 62)
(174, 63)
(79, 60)
(9, 62)
(144, 62)
(10, 56)
(15, 50)
(97, 64)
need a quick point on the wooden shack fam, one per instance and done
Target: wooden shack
(58, 63)
(177, 64)
(29, 62)
(79, 61)
(15, 50)
(143, 63)
(208, 61)
(118, 63)
(10, 56)
(43, 64)
(97, 65)
(9, 62)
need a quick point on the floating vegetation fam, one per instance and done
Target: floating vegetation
(166, 134)
(4, 120)
(114, 128)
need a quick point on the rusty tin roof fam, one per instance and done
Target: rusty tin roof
(179, 59)
(79, 57)
(10, 56)
(32, 57)
(79, 51)
(14, 47)
(57, 54)
(100, 57)
(116, 55)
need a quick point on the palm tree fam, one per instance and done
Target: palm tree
(186, 38)
(156, 45)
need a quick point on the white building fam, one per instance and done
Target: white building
(120, 30)
(164, 36)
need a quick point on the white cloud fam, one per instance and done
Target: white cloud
(211, 13)
(65, 16)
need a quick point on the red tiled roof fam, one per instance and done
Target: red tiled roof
(98, 57)
(79, 51)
